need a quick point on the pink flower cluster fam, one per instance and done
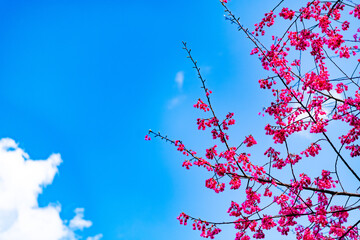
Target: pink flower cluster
(201, 105)
(306, 95)
(207, 230)
(250, 141)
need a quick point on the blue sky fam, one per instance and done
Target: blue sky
(87, 79)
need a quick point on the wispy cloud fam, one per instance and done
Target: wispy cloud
(78, 222)
(336, 95)
(96, 237)
(175, 101)
(21, 182)
(179, 79)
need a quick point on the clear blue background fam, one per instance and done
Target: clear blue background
(87, 79)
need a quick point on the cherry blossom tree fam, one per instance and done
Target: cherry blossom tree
(313, 75)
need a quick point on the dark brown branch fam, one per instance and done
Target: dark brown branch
(279, 216)
(230, 174)
(208, 98)
(349, 230)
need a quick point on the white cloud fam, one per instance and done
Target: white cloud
(78, 222)
(96, 237)
(179, 79)
(305, 117)
(336, 95)
(21, 182)
(175, 101)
